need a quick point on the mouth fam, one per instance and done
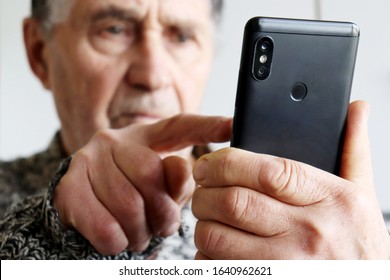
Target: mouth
(126, 119)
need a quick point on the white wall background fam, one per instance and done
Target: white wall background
(28, 119)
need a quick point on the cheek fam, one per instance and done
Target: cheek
(191, 84)
(84, 84)
(98, 77)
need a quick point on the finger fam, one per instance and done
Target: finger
(178, 174)
(356, 157)
(87, 215)
(182, 131)
(286, 180)
(220, 242)
(121, 198)
(242, 208)
(145, 170)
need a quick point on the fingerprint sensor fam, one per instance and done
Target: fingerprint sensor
(298, 92)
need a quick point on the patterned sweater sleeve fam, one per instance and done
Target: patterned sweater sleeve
(31, 230)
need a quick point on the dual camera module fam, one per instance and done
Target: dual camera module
(263, 58)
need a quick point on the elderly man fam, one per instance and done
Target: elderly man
(127, 78)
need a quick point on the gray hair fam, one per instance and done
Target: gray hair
(47, 13)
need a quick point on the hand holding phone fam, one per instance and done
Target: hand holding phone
(292, 100)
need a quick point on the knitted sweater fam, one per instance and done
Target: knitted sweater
(29, 225)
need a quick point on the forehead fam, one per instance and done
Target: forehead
(165, 10)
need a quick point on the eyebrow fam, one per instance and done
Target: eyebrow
(185, 20)
(119, 13)
(182, 21)
(114, 12)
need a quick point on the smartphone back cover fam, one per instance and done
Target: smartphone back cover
(268, 120)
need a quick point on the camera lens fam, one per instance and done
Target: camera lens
(263, 59)
(262, 71)
(264, 46)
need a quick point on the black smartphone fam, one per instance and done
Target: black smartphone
(294, 89)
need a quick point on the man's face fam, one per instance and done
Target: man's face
(112, 63)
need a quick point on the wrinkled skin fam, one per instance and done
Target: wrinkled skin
(254, 206)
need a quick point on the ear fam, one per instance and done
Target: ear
(35, 44)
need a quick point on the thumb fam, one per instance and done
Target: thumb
(356, 156)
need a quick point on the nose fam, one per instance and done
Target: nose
(150, 67)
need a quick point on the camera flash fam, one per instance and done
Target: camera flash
(263, 58)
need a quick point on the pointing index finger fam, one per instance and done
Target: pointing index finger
(182, 131)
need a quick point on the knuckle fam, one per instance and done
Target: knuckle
(275, 173)
(81, 159)
(104, 134)
(317, 241)
(130, 203)
(106, 137)
(151, 169)
(167, 214)
(282, 177)
(108, 238)
(208, 238)
(235, 203)
(138, 240)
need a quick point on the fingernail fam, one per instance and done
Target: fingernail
(200, 170)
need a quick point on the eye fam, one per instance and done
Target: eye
(183, 37)
(115, 29)
(118, 29)
(179, 36)
(112, 36)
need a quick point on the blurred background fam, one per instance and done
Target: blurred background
(27, 115)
